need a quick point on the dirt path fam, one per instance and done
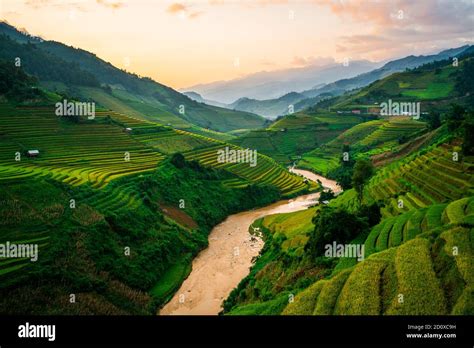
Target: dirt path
(219, 268)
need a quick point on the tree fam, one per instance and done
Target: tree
(178, 160)
(465, 78)
(333, 225)
(468, 138)
(326, 195)
(371, 213)
(363, 170)
(433, 119)
(343, 173)
(454, 118)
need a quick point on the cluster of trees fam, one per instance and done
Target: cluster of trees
(15, 84)
(459, 122)
(43, 64)
(336, 224)
(340, 226)
(352, 173)
(465, 78)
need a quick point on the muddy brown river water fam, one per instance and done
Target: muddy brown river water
(227, 260)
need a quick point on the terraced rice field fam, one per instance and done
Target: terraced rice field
(90, 151)
(417, 263)
(95, 151)
(293, 135)
(267, 170)
(389, 132)
(394, 231)
(373, 136)
(418, 182)
(401, 280)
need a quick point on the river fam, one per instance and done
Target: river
(219, 268)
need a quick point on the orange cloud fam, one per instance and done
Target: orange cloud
(110, 3)
(176, 8)
(182, 10)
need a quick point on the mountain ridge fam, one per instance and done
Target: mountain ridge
(148, 98)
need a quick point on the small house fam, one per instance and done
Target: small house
(356, 112)
(32, 153)
(374, 110)
(127, 130)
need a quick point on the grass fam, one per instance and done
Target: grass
(305, 302)
(329, 293)
(171, 280)
(417, 282)
(360, 294)
(454, 212)
(265, 308)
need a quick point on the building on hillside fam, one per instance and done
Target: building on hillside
(127, 130)
(32, 153)
(374, 110)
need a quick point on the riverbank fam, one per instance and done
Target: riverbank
(218, 269)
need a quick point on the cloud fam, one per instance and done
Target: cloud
(176, 8)
(401, 26)
(183, 11)
(111, 3)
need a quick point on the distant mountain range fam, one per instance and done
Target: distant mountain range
(297, 101)
(80, 74)
(275, 84)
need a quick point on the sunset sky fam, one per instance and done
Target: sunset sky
(182, 43)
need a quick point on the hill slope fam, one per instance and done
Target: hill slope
(272, 108)
(71, 67)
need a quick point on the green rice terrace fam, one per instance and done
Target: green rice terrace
(432, 85)
(291, 136)
(115, 181)
(75, 153)
(368, 138)
(418, 254)
(420, 260)
(428, 178)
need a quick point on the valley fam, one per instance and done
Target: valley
(233, 245)
(153, 203)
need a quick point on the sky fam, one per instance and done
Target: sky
(184, 43)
